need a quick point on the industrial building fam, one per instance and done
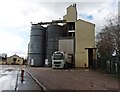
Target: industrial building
(14, 60)
(74, 36)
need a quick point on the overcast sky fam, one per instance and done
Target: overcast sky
(16, 15)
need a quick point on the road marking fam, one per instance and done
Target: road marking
(41, 85)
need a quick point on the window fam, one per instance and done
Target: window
(71, 26)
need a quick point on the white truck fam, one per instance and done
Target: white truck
(61, 60)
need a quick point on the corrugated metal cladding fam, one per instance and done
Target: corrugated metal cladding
(54, 31)
(67, 45)
(37, 45)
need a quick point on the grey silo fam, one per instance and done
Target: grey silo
(37, 45)
(54, 31)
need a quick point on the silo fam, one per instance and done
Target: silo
(36, 53)
(54, 31)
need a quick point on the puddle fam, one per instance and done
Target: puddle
(9, 70)
(4, 74)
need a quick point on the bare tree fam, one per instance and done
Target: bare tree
(108, 40)
(108, 44)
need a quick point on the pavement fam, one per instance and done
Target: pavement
(10, 80)
(38, 79)
(28, 84)
(73, 79)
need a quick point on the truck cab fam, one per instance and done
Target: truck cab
(60, 60)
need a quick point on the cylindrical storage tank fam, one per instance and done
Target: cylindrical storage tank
(54, 31)
(36, 54)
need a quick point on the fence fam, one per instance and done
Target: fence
(109, 65)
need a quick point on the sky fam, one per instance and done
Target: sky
(16, 17)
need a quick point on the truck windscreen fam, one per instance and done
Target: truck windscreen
(58, 56)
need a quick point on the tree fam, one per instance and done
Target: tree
(108, 45)
(108, 40)
(4, 56)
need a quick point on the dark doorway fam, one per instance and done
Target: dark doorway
(90, 58)
(14, 60)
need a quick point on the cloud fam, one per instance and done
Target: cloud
(16, 16)
(14, 40)
(99, 12)
(9, 42)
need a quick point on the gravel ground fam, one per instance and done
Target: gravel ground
(73, 79)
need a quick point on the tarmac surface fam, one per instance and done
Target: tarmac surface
(10, 80)
(28, 84)
(73, 79)
(37, 79)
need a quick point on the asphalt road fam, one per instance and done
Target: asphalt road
(55, 79)
(10, 79)
(8, 76)
(73, 79)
